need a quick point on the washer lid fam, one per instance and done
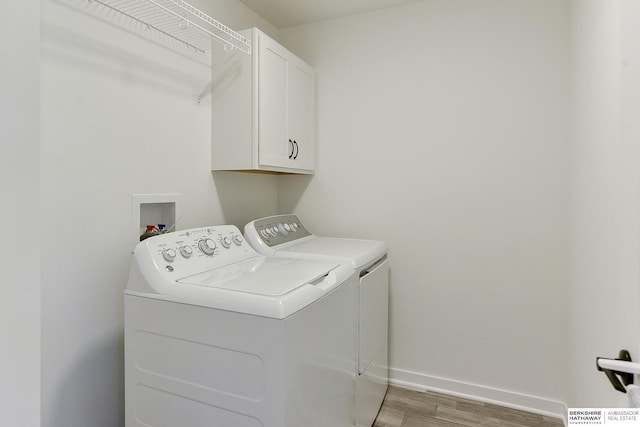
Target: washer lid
(260, 286)
(356, 252)
(262, 275)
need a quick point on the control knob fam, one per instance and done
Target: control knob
(186, 251)
(169, 254)
(226, 242)
(208, 246)
(237, 239)
(283, 229)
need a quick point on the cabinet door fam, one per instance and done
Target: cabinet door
(273, 147)
(302, 114)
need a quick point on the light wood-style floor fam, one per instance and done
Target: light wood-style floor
(408, 408)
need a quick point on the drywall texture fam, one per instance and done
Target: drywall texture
(19, 181)
(119, 116)
(443, 129)
(604, 303)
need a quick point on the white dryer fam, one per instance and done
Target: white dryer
(218, 335)
(286, 236)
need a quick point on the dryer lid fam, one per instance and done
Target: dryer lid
(356, 252)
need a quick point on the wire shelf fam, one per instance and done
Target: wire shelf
(180, 21)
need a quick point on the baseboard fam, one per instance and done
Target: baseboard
(509, 399)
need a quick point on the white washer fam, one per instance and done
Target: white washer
(218, 335)
(286, 236)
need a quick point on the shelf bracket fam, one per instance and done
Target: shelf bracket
(220, 69)
(205, 91)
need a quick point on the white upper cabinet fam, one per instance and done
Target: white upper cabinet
(264, 110)
(302, 113)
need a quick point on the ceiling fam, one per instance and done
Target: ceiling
(288, 13)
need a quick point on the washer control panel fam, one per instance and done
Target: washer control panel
(279, 229)
(187, 252)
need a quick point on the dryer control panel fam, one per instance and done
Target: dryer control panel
(278, 229)
(187, 252)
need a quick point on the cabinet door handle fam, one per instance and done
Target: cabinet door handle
(292, 148)
(297, 149)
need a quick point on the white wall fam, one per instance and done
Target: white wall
(447, 119)
(605, 295)
(119, 116)
(443, 129)
(20, 251)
